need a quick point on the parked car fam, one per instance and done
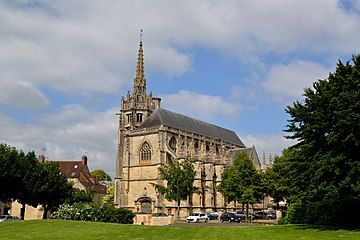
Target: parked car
(5, 218)
(213, 216)
(230, 217)
(264, 215)
(197, 217)
(272, 215)
(242, 215)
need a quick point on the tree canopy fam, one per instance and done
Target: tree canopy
(241, 182)
(179, 176)
(101, 175)
(324, 167)
(28, 181)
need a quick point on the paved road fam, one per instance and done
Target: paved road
(213, 223)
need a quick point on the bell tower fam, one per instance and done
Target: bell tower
(134, 110)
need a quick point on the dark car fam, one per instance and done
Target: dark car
(230, 217)
(242, 215)
(272, 215)
(264, 215)
(213, 216)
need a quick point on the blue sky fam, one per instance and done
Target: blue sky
(64, 66)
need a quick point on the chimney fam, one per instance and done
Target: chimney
(41, 158)
(84, 160)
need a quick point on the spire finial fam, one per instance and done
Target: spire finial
(139, 80)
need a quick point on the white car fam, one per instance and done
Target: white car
(197, 217)
(5, 218)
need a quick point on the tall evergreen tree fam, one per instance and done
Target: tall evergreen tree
(327, 126)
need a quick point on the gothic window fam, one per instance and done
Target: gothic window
(172, 144)
(207, 148)
(196, 147)
(139, 117)
(145, 152)
(217, 150)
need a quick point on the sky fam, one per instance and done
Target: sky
(64, 66)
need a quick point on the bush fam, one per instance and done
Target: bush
(331, 213)
(94, 213)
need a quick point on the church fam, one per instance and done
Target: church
(149, 136)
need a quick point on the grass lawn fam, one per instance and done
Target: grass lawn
(57, 229)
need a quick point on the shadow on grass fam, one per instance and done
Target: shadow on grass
(327, 228)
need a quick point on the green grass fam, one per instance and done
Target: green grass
(57, 229)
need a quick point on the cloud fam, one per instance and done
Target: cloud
(95, 135)
(289, 81)
(67, 114)
(22, 95)
(200, 106)
(272, 143)
(87, 47)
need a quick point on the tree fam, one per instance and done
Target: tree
(108, 199)
(51, 188)
(277, 179)
(24, 179)
(81, 196)
(326, 166)
(179, 178)
(100, 175)
(241, 182)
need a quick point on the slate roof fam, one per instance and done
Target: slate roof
(171, 119)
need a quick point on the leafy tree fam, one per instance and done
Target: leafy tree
(179, 178)
(81, 196)
(10, 182)
(108, 199)
(327, 126)
(24, 179)
(51, 188)
(277, 179)
(101, 175)
(241, 182)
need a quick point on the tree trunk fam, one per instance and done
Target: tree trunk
(178, 210)
(45, 212)
(191, 203)
(247, 211)
(22, 211)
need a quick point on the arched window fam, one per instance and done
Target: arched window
(196, 147)
(145, 153)
(172, 144)
(207, 148)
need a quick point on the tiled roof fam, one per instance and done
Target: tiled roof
(72, 169)
(171, 119)
(80, 171)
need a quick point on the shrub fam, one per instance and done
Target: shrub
(332, 213)
(95, 213)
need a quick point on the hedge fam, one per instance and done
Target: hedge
(94, 213)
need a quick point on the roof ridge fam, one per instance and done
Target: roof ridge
(169, 118)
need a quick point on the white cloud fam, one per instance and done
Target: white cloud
(66, 115)
(272, 144)
(289, 81)
(200, 106)
(97, 136)
(20, 94)
(88, 46)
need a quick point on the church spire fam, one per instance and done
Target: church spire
(139, 80)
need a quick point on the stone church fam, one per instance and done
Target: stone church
(149, 136)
